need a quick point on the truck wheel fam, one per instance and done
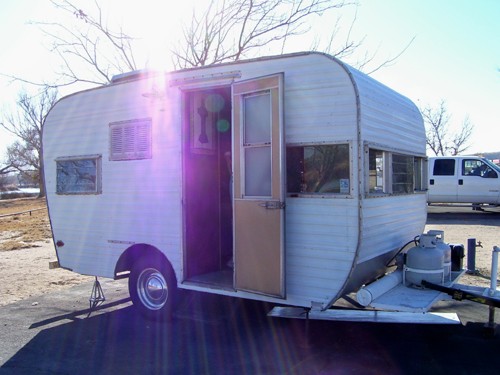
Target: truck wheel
(152, 287)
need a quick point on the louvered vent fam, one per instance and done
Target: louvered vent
(130, 140)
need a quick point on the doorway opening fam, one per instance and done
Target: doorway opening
(208, 222)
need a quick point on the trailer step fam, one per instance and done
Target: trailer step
(373, 316)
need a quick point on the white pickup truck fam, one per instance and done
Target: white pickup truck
(463, 179)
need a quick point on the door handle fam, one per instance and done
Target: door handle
(272, 205)
(460, 181)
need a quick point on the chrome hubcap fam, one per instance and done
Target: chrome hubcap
(152, 289)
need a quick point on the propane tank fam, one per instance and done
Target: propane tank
(446, 249)
(424, 262)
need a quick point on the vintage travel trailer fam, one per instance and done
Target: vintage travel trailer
(292, 179)
(463, 179)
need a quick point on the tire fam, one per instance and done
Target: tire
(153, 287)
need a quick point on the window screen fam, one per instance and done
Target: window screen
(402, 174)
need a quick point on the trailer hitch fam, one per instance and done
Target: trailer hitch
(460, 294)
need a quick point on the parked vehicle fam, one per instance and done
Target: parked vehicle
(463, 179)
(292, 179)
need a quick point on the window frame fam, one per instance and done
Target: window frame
(98, 174)
(323, 194)
(418, 176)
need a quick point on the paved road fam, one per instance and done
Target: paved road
(54, 334)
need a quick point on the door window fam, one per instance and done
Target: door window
(473, 167)
(257, 144)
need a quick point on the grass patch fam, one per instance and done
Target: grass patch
(23, 229)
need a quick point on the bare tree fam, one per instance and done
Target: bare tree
(89, 50)
(458, 142)
(346, 48)
(438, 137)
(25, 154)
(229, 30)
(6, 169)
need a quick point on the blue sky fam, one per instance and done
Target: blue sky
(455, 55)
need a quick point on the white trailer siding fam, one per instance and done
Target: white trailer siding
(140, 200)
(388, 118)
(320, 247)
(389, 122)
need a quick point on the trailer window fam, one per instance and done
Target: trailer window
(321, 169)
(402, 174)
(78, 175)
(376, 171)
(391, 173)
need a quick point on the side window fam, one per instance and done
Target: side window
(474, 167)
(376, 171)
(402, 174)
(391, 173)
(444, 167)
(78, 175)
(321, 169)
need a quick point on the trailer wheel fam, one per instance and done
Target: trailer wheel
(152, 287)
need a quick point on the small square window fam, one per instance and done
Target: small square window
(78, 175)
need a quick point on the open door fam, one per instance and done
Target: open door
(258, 163)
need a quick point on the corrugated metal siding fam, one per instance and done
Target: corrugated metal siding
(388, 118)
(320, 100)
(390, 222)
(321, 239)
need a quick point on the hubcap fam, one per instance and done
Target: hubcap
(152, 289)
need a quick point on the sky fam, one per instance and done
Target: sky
(454, 56)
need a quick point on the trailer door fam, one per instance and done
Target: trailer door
(258, 145)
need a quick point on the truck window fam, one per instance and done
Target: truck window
(474, 167)
(320, 169)
(444, 167)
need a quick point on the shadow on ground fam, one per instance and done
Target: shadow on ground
(219, 335)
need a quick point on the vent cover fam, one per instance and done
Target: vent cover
(130, 140)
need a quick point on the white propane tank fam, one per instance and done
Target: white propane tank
(370, 292)
(446, 249)
(424, 262)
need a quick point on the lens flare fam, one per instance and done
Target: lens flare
(214, 103)
(223, 125)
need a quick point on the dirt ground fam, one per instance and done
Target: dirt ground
(26, 248)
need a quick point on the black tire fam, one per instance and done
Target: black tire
(153, 287)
